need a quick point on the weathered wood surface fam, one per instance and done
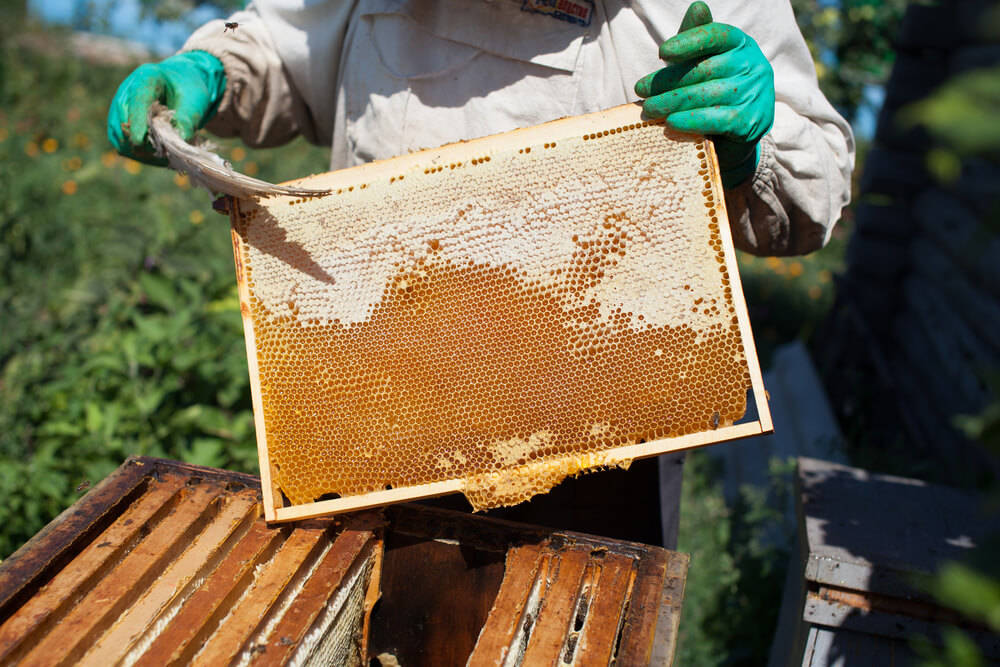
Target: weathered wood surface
(151, 567)
(524, 567)
(49, 606)
(872, 533)
(191, 627)
(583, 603)
(187, 572)
(548, 639)
(826, 646)
(116, 592)
(175, 582)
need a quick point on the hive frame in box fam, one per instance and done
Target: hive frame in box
(590, 125)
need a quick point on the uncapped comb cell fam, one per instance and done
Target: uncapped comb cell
(504, 312)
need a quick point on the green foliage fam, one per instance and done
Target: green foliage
(961, 116)
(738, 564)
(121, 326)
(852, 44)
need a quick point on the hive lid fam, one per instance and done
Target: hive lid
(492, 316)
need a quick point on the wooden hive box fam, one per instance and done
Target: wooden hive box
(167, 563)
(493, 316)
(865, 541)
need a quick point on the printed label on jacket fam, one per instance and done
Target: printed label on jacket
(574, 11)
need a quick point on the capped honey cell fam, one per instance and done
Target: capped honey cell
(503, 326)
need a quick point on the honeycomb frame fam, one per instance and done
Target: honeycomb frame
(264, 248)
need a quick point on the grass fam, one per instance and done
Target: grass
(121, 334)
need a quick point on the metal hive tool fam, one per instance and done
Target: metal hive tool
(492, 316)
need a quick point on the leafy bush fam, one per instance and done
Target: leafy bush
(120, 318)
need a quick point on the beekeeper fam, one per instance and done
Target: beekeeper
(378, 78)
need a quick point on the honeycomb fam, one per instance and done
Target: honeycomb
(505, 312)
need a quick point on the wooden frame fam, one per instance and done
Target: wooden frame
(588, 126)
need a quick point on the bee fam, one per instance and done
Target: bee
(232, 25)
(715, 420)
(83, 486)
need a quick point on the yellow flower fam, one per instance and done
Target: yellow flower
(238, 154)
(815, 292)
(251, 168)
(109, 158)
(3, 134)
(825, 276)
(72, 164)
(31, 149)
(775, 265)
(196, 217)
(69, 187)
(133, 167)
(50, 145)
(795, 269)
(81, 140)
(182, 181)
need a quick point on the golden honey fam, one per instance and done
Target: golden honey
(503, 318)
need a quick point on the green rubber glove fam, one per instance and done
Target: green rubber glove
(717, 83)
(190, 83)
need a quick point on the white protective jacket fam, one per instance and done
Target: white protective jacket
(379, 78)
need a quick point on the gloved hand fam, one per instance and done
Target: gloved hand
(717, 83)
(190, 83)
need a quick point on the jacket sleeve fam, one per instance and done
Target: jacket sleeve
(270, 99)
(803, 179)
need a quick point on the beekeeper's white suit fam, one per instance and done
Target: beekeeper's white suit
(379, 78)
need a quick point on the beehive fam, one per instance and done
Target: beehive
(168, 564)
(492, 316)
(164, 563)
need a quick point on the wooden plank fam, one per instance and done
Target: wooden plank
(612, 457)
(525, 565)
(858, 540)
(203, 611)
(350, 547)
(838, 647)
(251, 613)
(51, 604)
(92, 615)
(61, 539)
(739, 301)
(271, 498)
(548, 636)
(372, 596)
(665, 638)
(172, 585)
(607, 608)
(636, 646)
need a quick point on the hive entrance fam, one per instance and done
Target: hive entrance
(492, 316)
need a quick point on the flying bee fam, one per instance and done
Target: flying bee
(83, 486)
(232, 25)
